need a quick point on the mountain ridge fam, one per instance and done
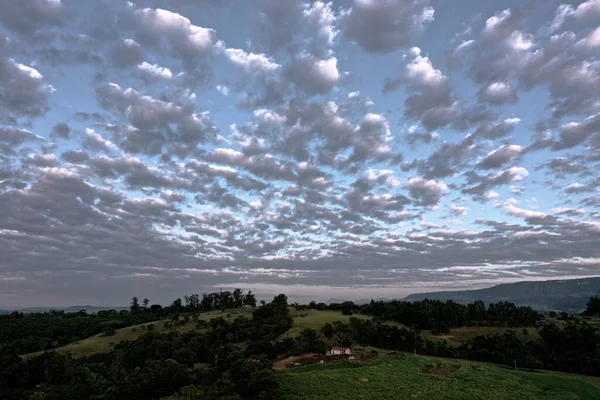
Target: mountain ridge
(552, 295)
(569, 295)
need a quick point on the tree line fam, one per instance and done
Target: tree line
(441, 316)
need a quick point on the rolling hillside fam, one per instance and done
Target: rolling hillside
(559, 295)
(313, 319)
(403, 376)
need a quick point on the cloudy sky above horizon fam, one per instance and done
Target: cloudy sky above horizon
(354, 148)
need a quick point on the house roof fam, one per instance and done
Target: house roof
(339, 348)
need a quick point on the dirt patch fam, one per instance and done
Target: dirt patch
(444, 337)
(313, 358)
(441, 369)
(283, 363)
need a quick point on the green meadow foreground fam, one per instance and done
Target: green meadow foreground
(415, 377)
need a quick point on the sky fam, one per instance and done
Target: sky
(350, 149)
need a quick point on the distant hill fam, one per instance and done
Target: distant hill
(358, 302)
(89, 309)
(335, 301)
(558, 295)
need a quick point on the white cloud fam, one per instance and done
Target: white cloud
(520, 212)
(421, 73)
(185, 39)
(490, 194)
(250, 61)
(592, 41)
(499, 93)
(154, 71)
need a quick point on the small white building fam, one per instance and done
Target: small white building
(338, 350)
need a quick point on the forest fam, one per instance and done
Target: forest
(232, 359)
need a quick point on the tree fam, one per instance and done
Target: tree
(155, 308)
(280, 300)
(177, 305)
(328, 330)
(238, 298)
(145, 302)
(593, 306)
(192, 302)
(250, 299)
(135, 305)
(108, 331)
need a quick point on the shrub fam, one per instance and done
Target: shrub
(108, 331)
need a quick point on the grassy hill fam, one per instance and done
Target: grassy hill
(312, 319)
(315, 319)
(458, 336)
(414, 377)
(102, 344)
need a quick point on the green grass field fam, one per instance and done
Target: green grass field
(315, 319)
(403, 377)
(458, 336)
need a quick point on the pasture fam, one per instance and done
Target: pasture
(414, 377)
(458, 336)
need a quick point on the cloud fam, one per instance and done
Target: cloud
(576, 188)
(94, 141)
(480, 185)
(458, 211)
(592, 41)
(314, 75)
(384, 26)
(587, 10)
(153, 72)
(427, 192)
(296, 27)
(61, 130)
(126, 53)
(23, 93)
(574, 133)
(152, 121)
(14, 137)
(184, 39)
(500, 156)
(28, 16)
(497, 93)
(159, 145)
(432, 101)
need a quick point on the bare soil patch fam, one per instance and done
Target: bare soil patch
(283, 363)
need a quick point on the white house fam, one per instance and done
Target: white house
(338, 350)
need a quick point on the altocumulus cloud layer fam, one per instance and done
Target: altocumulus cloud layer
(352, 148)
